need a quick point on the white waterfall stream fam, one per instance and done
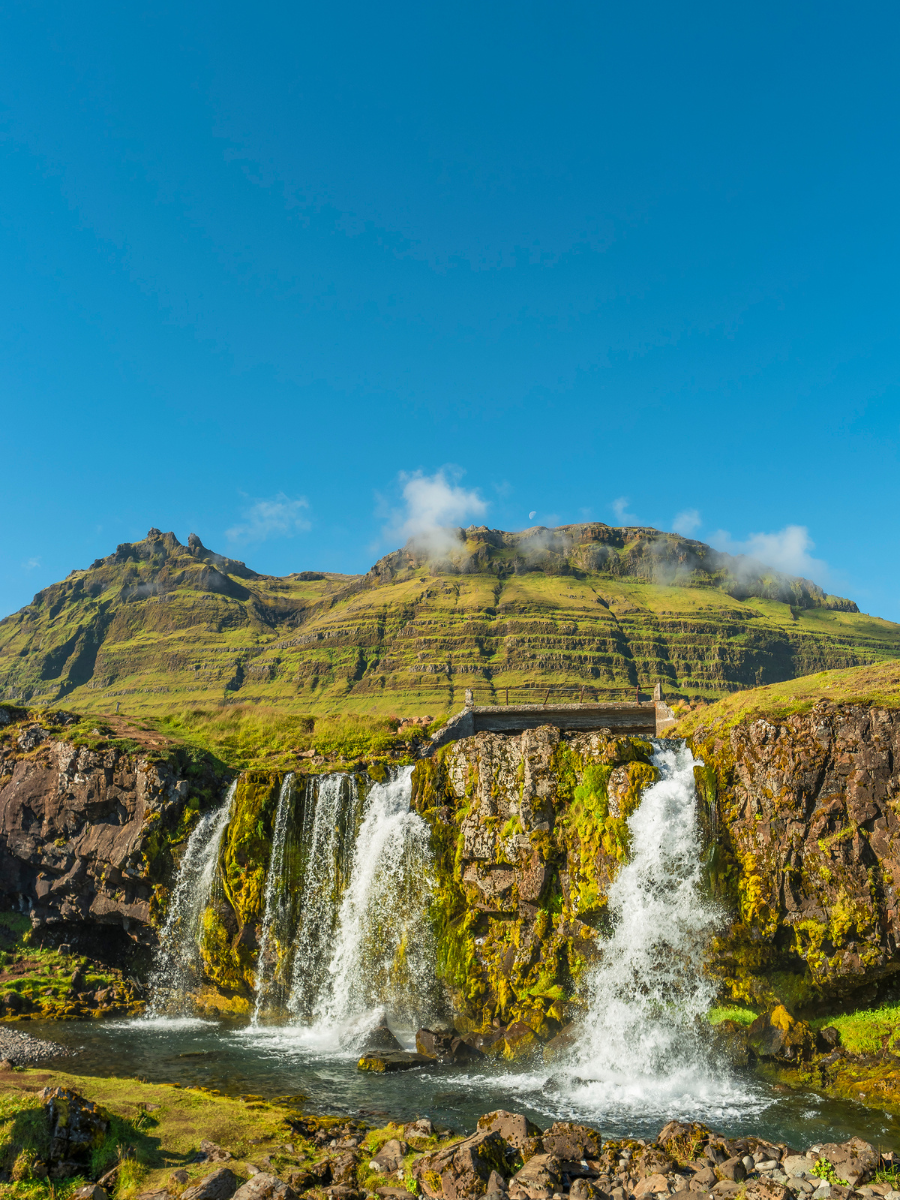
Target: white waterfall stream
(382, 956)
(644, 1043)
(276, 898)
(177, 967)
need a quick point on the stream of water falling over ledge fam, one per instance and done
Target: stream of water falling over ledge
(642, 1056)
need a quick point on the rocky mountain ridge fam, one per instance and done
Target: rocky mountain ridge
(581, 610)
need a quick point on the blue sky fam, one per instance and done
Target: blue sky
(301, 277)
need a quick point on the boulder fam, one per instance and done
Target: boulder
(381, 1039)
(90, 1191)
(77, 1127)
(568, 1140)
(517, 1131)
(733, 1043)
(390, 1157)
(853, 1160)
(383, 1062)
(733, 1169)
(777, 1035)
(220, 1185)
(214, 1153)
(265, 1187)
(462, 1171)
(652, 1185)
(538, 1179)
(584, 1189)
(445, 1047)
(343, 1169)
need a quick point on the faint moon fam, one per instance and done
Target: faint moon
(532, 515)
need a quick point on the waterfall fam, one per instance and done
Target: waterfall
(177, 968)
(276, 898)
(327, 836)
(383, 954)
(643, 1045)
(364, 943)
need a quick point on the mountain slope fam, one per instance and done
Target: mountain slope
(581, 607)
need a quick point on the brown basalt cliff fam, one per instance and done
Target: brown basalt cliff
(802, 813)
(86, 835)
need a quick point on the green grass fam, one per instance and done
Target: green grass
(877, 685)
(867, 1031)
(742, 1016)
(247, 736)
(150, 1144)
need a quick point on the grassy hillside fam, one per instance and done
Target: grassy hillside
(160, 627)
(878, 684)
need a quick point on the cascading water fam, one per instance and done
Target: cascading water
(276, 899)
(643, 1047)
(364, 945)
(327, 837)
(177, 968)
(383, 954)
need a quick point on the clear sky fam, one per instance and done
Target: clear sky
(302, 277)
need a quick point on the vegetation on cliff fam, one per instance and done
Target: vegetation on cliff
(527, 832)
(158, 625)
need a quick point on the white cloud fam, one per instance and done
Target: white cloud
(435, 505)
(30, 563)
(623, 516)
(687, 522)
(787, 550)
(275, 517)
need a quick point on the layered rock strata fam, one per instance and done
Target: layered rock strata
(804, 832)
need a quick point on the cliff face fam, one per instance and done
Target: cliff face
(158, 624)
(88, 836)
(528, 832)
(804, 813)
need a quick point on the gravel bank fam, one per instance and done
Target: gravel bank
(22, 1050)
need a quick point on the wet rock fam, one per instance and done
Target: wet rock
(445, 1047)
(77, 1127)
(381, 1039)
(343, 1168)
(564, 1040)
(733, 1042)
(220, 1185)
(387, 1061)
(777, 1035)
(265, 1187)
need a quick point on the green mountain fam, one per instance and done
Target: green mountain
(579, 610)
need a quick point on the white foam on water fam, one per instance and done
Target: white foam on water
(159, 1024)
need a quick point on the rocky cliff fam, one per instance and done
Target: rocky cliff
(90, 831)
(528, 832)
(584, 608)
(802, 812)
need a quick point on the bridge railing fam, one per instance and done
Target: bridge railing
(562, 693)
